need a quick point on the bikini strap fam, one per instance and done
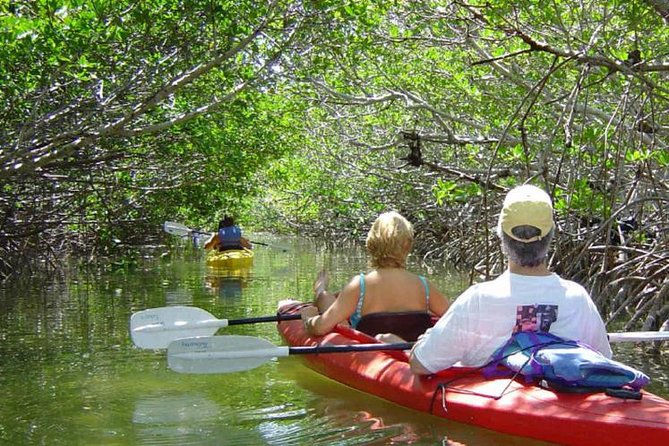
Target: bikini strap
(357, 314)
(427, 290)
(361, 298)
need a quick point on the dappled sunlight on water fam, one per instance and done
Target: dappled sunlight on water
(379, 422)
(70, 375)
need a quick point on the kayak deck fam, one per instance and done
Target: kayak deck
(234, 258)
(503, 405)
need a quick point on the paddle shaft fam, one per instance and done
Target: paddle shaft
(184, 231)
(210, 233)
(318, 349)
(639, 336)
(274, 318)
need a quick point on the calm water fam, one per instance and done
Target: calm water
(70, 375)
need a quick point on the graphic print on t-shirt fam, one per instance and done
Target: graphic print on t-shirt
(537, 317)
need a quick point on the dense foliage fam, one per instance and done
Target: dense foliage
(313, 116)
(439, 108)
(118, 114)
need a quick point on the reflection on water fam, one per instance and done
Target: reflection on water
(175, 419)
(283, 425)
(170, 409)
(178, 297)
(70, 376)
(373, 421)
(228, 283)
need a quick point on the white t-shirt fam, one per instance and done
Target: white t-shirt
(486, 315)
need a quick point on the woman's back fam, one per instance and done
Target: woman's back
(393, 290)
(389, 288)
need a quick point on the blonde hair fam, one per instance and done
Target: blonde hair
(389, 241)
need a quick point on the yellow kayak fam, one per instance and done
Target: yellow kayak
(234, 258)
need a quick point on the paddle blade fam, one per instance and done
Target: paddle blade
(639, 336)
(220, 354)
(156, 327)
(176, 228)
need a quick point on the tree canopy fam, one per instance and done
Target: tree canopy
(316, 115)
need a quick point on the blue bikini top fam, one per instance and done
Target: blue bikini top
(356, 316)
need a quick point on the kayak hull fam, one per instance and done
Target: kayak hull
(234, 258)
(502, 405)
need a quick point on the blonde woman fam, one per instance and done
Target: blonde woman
(388, 299)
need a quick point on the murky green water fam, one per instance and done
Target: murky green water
(69, 374)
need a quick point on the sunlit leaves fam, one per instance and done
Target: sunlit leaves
(448, 193)
(583, 199)
(444, 191)
(638, 155)
(662, 157)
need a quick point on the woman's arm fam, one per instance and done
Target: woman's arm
(245, 243)
(438, 302)
(212, 241)
(340, 310)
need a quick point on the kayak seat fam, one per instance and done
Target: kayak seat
(408, 325)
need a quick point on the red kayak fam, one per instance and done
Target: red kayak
(501, 404)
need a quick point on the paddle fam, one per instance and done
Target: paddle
(227, 354)
(157, 327)
(267, 244)
(178, 229)
(639, 336)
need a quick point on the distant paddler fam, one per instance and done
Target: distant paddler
(228, 237)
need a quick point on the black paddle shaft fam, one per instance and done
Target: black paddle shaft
(255, 320)
(316, 349)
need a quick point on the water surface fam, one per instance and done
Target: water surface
(70, 375)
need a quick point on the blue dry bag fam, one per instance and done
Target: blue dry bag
(563, 364)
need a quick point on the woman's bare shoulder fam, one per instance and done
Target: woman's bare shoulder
(353, 284)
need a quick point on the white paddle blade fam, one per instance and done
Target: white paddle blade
(176, 228)
(221, 354)
(639, 336)
(156, 327)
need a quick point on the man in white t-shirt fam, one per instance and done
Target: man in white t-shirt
(527, 296)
